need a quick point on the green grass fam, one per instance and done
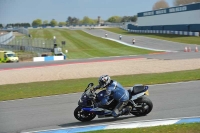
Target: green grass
(82, 45)
(177, 128)
(168, 37)
(19, 36)
(27, 90)
(25, 55)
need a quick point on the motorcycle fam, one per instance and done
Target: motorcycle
(86, 111)
(120, 37)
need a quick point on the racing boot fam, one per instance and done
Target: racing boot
(119, 109)
(126, 110)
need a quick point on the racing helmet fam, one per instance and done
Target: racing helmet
(104, 80)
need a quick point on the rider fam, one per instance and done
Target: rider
(114, 89)
(106, 35)
(120, 37)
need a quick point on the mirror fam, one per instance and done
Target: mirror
(90, 85)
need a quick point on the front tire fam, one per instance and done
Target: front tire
(146, 108)
(83, 116)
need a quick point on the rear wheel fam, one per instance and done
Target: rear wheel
(145, 104)
(81, 115)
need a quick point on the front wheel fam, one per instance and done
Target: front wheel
(145, 104)
(82, 115)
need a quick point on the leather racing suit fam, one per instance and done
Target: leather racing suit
(117, 92)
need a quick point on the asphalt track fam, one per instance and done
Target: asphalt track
(170, 100)
(142, 41)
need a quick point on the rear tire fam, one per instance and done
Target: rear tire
(146, 103)
(83, 115)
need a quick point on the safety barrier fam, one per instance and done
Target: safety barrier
(6, 38)
(186, 33)
(166, 32)
(48, 58)
(23, 31)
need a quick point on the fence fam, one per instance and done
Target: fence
(23, 31)
(165, 32)
(6, 38)
(29, 44)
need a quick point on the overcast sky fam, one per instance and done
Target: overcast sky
(25, 11)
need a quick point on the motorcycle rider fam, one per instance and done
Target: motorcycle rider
(120, 37)
(116, 91)
(106, 35)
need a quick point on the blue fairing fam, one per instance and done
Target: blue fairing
(96, 112)
(146, 88)
(86, 109)
(101, 95)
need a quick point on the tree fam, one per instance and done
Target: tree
(72, 21)
(16, 25)
(129, 18)
(114, 19)
(62, 23)
(53, 22)
(1, 26)
(95, 21)
(75, 21)
(45, 22)
(183, 2)
(125, 19)
(160, 4)
(134, 18)
(37, 22)
(87, 20)
(69, 20)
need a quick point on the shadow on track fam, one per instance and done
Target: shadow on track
(97, 121)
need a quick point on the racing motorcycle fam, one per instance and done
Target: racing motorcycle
(86, 111)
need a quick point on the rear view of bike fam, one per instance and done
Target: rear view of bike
(141, 104)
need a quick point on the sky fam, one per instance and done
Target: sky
(25, 11)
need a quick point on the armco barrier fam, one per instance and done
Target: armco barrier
(48, 58)
(165, 32)
(6, 38)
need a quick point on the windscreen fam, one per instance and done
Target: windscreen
(10, 55)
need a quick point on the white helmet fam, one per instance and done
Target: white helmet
(104, 80)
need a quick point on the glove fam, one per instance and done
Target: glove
(97, 87)
(94, 89)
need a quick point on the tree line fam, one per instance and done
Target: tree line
(86, 20)
(16, 25)
(163, 4)
(73, 21)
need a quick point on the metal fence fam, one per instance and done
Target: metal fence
(29, 44)
(23, 31)
(6, 38)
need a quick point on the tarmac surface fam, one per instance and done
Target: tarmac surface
(44, 113)
(143, 41)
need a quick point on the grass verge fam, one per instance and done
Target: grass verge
(36, 89)
(82, 45)
(177, 128)
(168, 37)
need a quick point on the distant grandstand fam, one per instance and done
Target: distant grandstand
(183, 20)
